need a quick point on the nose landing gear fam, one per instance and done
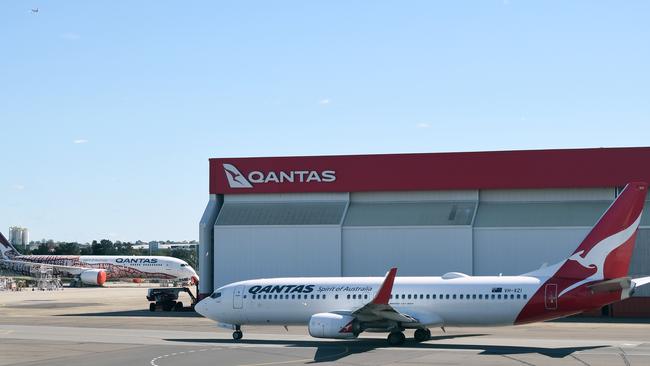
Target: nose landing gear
(237, 334)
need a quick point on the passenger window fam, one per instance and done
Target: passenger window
(453, 296)
(518, 296)
(317, 297)
(433, 296)
(447, 296)
(422, 296)
(323, 296)
(336, 296)
(427, 296)
(525, 296)
(365, 296)
(512, 297)
(253, 297)
(409, 296)
(300, 296)
(348, 296)
(264, 297)
(461, 296)
(275, 296)
(498, 296)
(480, 296)
(474, 296)
(403, 296)
(312, 297)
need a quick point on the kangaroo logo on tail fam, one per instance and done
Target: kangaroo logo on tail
(595, 258)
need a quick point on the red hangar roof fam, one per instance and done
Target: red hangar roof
(572, 168)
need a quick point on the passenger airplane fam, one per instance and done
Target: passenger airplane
(595, 275)
(96, 269)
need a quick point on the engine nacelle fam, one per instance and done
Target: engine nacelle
(330, 325)
(95, 277)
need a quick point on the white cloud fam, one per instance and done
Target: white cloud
(80, 141)
(19, 187)
(324, 101)
(423, 125)
(70, 36)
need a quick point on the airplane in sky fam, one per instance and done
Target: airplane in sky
(594, 275)
(96, 269)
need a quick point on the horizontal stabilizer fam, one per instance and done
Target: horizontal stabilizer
(611, 285)
(641, 281)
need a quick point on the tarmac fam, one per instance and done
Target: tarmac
(113, 326)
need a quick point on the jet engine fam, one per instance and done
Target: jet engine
(330, 325)
(95, 277)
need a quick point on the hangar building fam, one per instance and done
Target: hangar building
(480, 213)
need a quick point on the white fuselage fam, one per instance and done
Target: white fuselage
(464, 300)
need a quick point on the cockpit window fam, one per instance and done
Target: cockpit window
(216, 295)
(183, 264)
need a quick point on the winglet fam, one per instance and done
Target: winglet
(383, 295)
(4, 240)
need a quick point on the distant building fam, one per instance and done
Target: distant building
(18, 236)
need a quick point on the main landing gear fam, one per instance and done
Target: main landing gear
(397, 338)
(237, 334)
(422, 334)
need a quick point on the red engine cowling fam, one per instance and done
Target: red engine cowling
(330, 325)
(95, 277)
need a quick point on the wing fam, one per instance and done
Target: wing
(378, 309)
(31, 267)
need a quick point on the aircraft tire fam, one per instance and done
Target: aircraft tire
(237, 335)
(396, 338)
(152, 306)
(422, 334)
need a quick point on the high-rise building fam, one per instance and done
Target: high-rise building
(18, 236)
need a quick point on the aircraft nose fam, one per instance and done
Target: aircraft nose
(202, 307)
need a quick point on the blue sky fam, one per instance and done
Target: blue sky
(109, 111)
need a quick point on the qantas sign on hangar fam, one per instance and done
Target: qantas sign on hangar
(481, 213)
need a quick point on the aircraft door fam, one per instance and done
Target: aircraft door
(238, 297)
(550, 296)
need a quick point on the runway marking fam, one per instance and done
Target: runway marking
(579, 360)
(518, 360)
(154, 363)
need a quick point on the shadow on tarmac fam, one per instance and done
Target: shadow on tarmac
(331, 351)
(142, 313)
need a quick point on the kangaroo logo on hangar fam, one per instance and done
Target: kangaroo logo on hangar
(238, 180)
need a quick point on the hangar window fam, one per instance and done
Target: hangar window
(409, 213)
(281, 213)
(539, 214)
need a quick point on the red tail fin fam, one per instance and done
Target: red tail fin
(608, 246)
